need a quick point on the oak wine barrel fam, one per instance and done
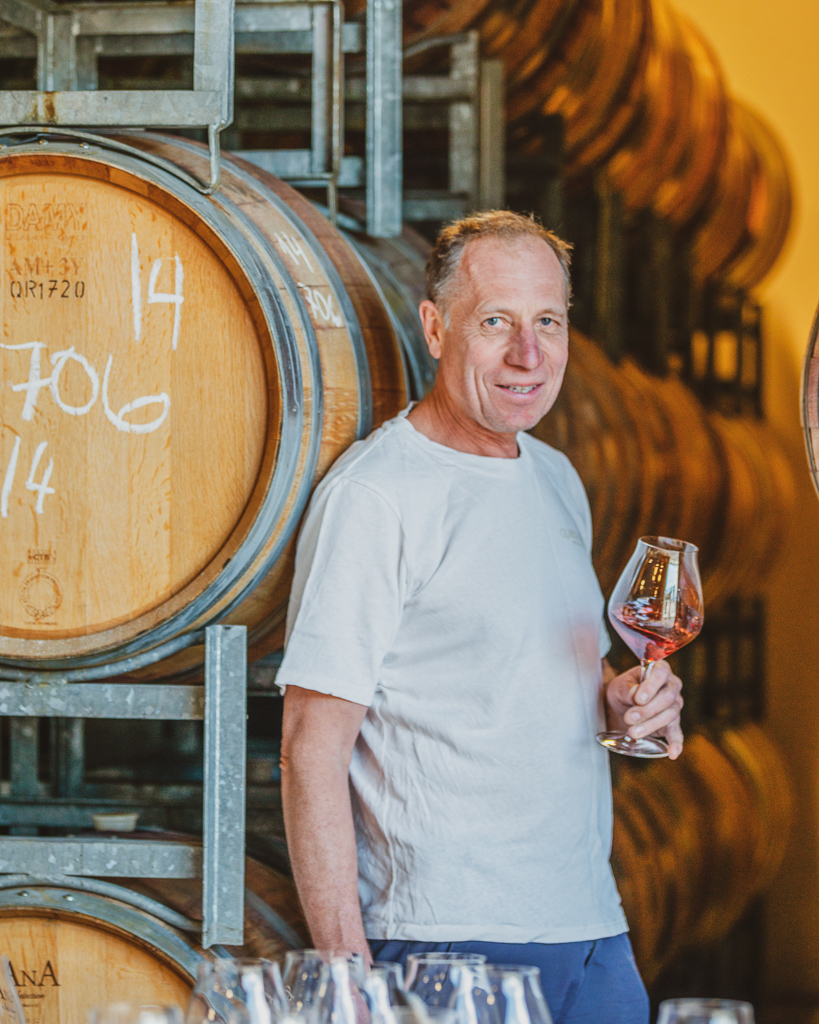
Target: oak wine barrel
(179, 370)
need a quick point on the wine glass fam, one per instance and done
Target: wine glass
(384, 989)
(656, 607)
(518, 994)
(308, 984)
(233, 991)
(705, 1011)
(11, 1009)
(457, 981)
(129, 1013)
(434, 976)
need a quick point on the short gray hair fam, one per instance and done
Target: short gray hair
(446, 254)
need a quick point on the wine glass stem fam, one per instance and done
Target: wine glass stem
(646, 667)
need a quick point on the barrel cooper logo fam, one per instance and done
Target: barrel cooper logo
(36, 977)
(40, 593)
(42, 216)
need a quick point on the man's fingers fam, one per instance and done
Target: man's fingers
(665, 718)
(659, 676)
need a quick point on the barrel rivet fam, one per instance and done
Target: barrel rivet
(69, 898)
(23, 892)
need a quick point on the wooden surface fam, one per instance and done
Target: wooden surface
(130, 518)
(65, 967)
(695, 841)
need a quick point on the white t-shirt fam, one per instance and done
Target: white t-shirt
(454, 596)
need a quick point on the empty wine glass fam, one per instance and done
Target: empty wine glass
(456, 981)
(11, 1009)
(231, 991)
(384, 989)
(129, 1013)
(656, 607)
(340, 999)
(430, 975)
(518, 994)
(306, 980)
(705, 1011)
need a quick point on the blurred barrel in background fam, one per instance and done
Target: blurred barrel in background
(655, 461)
(695, 845)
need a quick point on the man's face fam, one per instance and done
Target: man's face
(503, 352)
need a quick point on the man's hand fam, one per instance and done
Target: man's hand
(643, 709)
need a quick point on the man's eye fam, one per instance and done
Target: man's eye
(492, 321)
(547, 321)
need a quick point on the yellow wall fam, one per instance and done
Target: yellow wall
(770, 56)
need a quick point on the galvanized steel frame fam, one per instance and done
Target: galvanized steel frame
(60, 102)
(69, 41)
(220, 860)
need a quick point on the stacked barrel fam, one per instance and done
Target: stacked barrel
(644, 107)
(655, 461)
(694, 843)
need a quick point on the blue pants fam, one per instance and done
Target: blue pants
(583, 982)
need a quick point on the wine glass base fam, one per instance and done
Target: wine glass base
(622, 743)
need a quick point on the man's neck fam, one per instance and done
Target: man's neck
(436, 419)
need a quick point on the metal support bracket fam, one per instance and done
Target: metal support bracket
(58, 102)
(384, 125)
(223, 876)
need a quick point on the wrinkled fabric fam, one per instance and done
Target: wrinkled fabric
(454, 596)
(583, 982)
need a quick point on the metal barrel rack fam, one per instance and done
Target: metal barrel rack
(220, 702)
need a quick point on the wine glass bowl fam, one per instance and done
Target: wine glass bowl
(705, 1011)
(656, 607)
(518, 994)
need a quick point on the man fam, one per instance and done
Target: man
(445, 645)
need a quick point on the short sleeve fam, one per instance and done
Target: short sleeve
(347, 595)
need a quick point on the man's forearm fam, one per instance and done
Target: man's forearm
(321, 840)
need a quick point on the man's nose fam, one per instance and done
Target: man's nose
(524, 350)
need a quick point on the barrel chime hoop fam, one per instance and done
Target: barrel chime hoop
(119, 917)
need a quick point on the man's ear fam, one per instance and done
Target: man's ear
(432, 320)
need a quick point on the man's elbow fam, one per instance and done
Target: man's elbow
(314, 741)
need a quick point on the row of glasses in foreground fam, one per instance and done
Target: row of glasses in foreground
(322, 988)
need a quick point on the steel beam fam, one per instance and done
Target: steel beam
(99, 858)
(213, 53)
(26, 15)
(463, 119)
(223, 879)
(164, 109)
(384, 126)
(102, 700)
(57, 53)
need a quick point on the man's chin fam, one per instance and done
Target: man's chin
(511, 421)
